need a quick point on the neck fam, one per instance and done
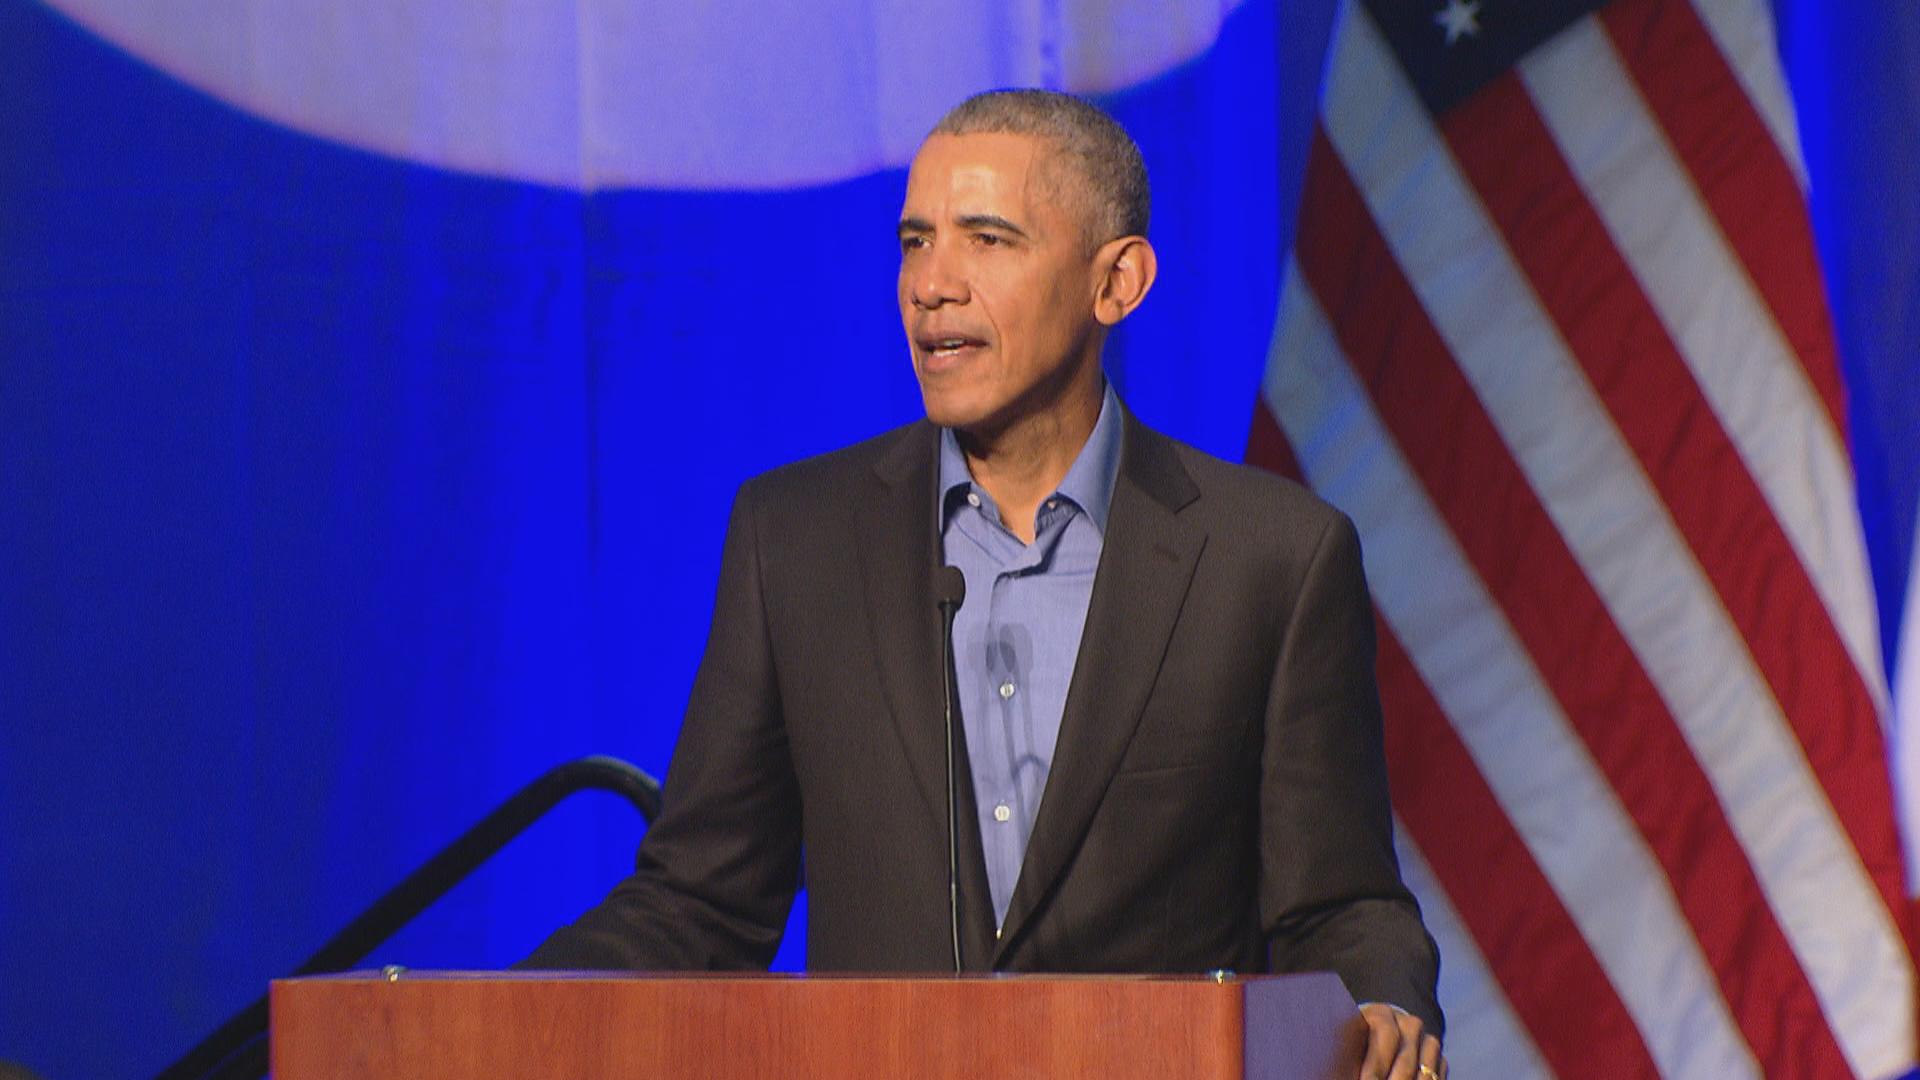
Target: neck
(1023, 464)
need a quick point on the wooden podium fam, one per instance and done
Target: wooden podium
(451, 1026)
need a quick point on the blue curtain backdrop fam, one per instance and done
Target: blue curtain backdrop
(339, 496)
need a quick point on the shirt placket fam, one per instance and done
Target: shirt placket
(1008, 810)
(1026, 764)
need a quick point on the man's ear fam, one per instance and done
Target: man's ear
(1127, 267)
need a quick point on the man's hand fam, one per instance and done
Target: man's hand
(1399, 1047)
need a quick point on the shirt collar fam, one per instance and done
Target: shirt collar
(1089, 480)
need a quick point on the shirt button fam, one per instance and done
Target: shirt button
(1051, 503)
(1006, 690)
(973, 498)
(1003, 812)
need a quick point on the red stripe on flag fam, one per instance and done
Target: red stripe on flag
(1746, 181)
(1555, 986)
(1506, 151)
(1536, 952)
(1453, 446)
(1268, 448)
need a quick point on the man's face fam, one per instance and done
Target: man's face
(996, 283)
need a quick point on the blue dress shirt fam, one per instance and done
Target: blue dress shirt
(1018, 633)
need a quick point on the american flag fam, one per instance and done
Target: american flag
(1553, 332)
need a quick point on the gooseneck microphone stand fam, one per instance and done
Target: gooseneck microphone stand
(952, 593)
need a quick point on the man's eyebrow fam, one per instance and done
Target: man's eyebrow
(991, 221)
(916, 226)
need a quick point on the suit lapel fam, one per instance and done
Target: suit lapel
(1146, 562)
(897, 540)
(977, 943)
(899, 546)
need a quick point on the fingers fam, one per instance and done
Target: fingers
(1432, 1065)
(1383, 1041)
(1399, 1048)
(1406, 1059)
(1396, 1045)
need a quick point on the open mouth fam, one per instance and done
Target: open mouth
(947, 346)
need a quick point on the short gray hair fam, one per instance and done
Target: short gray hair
(1098, 147)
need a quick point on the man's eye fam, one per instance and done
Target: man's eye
(989, 239)
(912, 243)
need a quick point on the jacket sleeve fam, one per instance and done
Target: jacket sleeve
(1331, 898)
(717, 872)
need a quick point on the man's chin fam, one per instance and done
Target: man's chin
(944, 410)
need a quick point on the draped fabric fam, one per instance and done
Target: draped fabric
(1554, 333)
(374, 380)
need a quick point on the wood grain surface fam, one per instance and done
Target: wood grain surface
(449, 1026)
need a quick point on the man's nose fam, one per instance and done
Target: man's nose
(936, 280)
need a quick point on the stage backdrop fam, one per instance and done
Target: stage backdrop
(374, 380)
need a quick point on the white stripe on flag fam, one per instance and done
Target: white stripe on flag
(1744, 31)
(1618, 529)
(1534, 763)
(1729, 338)
(1484, 1038)
(1906, 719)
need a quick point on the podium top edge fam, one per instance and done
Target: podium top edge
(410, 975)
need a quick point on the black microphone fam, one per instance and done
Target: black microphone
(951, 591)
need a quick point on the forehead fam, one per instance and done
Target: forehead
(960, 174)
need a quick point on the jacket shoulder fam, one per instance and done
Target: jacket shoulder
(1237, 497)
(890, 456)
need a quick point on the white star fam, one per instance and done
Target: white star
(1460, 18)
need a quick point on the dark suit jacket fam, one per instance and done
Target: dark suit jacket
(1218, 795)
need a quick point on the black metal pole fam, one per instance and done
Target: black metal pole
(237, 1048)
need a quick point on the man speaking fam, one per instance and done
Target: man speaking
(1168, 750)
